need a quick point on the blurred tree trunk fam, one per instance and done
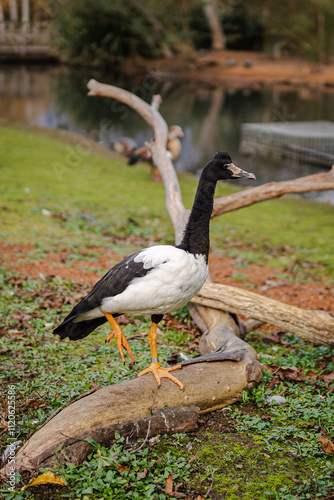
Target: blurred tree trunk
(2, 19)
(25, 15)
(321, 37)
(277, 49)
(218, 36)
(13, 13)
(158, 28)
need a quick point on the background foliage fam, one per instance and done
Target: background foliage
(107, 33)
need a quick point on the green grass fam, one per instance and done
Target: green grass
(67, 174)
(249, 450)
(59, 178)
(236, 446)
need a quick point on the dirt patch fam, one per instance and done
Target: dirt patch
(245, 68)
(274, 283)
(57, 263)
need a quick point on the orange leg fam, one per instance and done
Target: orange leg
(155, 367)
(119, 334)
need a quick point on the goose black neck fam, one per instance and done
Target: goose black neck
(196, 234)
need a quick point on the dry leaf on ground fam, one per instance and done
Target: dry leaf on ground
(122, 468)
(327, 445)
(47, 477)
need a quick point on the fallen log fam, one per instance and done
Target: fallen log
(210, 383)
(271, 190)
(314, 326)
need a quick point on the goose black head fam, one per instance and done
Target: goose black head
(224, 168)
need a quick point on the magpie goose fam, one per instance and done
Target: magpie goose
(156, 280)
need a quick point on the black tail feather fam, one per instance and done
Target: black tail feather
(80, 330)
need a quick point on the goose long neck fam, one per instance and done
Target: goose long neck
(196, 234)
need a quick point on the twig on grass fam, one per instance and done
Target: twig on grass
(211, 485)
(146, 438)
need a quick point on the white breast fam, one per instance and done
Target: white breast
(175, 278)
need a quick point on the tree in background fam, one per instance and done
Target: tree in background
(99, 32)
(215, 25)
(104, 32)
(303, 27)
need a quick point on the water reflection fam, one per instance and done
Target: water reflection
(56, 97)
(25, 93)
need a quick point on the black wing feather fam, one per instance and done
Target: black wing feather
(113, 283)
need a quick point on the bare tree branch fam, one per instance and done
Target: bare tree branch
(314, 326)
(174, 204)
(317, 182)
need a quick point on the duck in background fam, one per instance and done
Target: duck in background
(129, 148)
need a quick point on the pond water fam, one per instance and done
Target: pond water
(211, 117)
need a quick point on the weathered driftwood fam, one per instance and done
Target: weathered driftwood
(46, 446)
(317, 182)
(126, 407)
(314, 326)
(249, 326)
(207, 318)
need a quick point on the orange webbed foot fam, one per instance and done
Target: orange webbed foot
(121, 339)
(159, 373)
